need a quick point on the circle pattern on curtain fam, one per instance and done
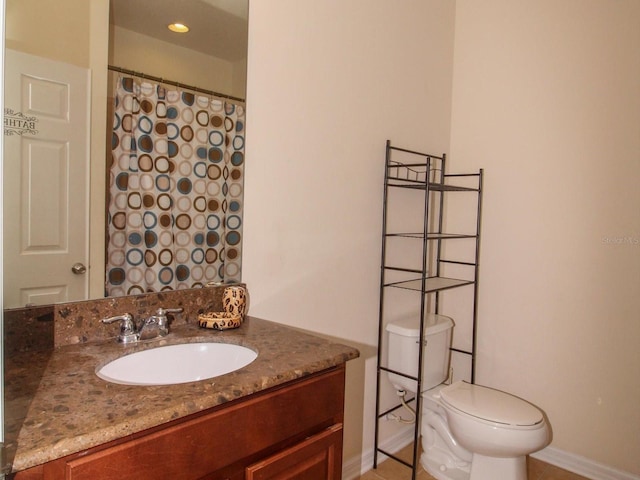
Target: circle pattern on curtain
(176, 190)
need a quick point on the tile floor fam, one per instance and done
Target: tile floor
(392, 470)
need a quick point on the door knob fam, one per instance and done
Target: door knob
(78, 268)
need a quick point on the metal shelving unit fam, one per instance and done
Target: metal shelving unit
(410, 170)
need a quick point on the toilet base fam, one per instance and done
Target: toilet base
(442, 456)
(491, 468)
(482, 468)
(440, 469)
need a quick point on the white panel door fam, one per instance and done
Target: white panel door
(46, 162)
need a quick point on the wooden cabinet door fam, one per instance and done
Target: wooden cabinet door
(319, 457)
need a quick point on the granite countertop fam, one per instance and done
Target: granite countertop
(56, 404)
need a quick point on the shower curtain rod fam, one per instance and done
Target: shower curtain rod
(171, 82)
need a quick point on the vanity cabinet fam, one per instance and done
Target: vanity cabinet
(291, 431)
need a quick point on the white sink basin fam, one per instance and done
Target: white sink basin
(172, 364)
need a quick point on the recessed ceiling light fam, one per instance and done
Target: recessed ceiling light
(178, 28)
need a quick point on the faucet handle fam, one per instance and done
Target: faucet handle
(127, 327)
(163, 322)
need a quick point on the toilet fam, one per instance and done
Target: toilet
(468, 431)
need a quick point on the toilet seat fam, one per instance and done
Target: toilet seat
(490, 405)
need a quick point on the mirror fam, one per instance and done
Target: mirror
(132, 35)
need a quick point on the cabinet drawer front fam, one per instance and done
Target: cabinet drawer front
(317, 458)
(196, 447)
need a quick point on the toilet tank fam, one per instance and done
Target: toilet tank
(403, 349)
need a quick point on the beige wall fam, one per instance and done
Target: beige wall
(58, 30)
(142, 53)
(239, 78)
(545, 98)
(328, 83)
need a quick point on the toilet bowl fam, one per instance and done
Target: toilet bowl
(496, 428)
(491, 422)
(469, 432)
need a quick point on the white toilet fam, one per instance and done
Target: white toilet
(469, 432)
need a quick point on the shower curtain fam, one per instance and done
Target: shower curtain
(175, 189)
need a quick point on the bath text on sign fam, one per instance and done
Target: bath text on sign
(17, 123)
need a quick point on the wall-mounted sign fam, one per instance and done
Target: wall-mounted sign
(17, 123)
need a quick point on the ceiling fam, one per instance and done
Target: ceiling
(217, 27)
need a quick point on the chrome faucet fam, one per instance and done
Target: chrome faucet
(160, 320)
(129, 333)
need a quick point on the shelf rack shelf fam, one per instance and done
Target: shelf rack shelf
(424, 173)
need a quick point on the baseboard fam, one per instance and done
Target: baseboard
(581, 465)
(360, 464)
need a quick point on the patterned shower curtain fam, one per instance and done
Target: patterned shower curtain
(176, 190)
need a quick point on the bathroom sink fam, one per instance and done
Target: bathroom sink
(172, 364)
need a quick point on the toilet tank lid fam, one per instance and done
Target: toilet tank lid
(490, 404)
(410, 327)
